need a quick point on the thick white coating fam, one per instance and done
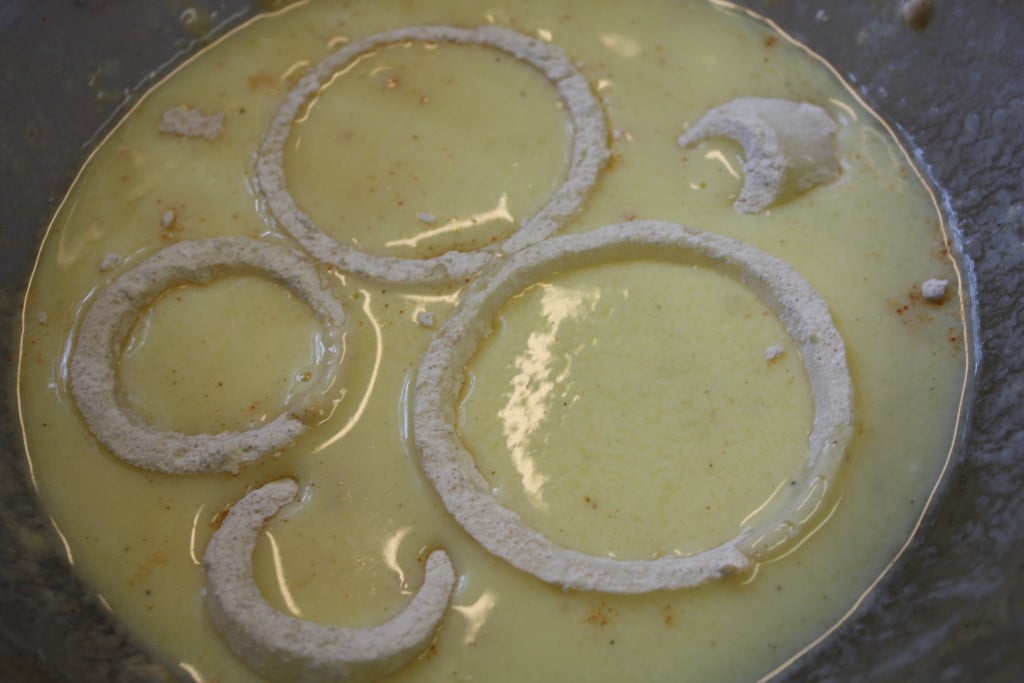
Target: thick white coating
(107, 322)
(789, 147)
(467, 495)
(283, 648)
(589, 154)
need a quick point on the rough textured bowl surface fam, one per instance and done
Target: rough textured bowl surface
(952, 607)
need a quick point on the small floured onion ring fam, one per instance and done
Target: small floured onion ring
(789, 147)
(467, 494)
(284, 648)
(589, 152)
(110, 318)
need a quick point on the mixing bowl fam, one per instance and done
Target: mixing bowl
(950, 608)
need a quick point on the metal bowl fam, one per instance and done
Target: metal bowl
(951, 608)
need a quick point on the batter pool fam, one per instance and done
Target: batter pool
(634, 408)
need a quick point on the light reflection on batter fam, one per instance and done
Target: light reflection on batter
(539, 371)
(500, 212)
(476, 614)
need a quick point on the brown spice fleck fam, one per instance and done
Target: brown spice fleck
(601, 615)
(218, 519)
(262, 80)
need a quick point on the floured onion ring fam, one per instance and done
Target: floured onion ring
(466, 493)
(589, 152)
(789, 147)
(284, 648)
(111, 316)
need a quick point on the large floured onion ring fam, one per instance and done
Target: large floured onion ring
(466, 493)
(110, 318)
(589, 152)
(284, 648)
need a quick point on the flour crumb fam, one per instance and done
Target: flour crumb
(167, 219)
(426, 217)
(774, 352)
(934, 290)
(191, 123)
(109, 262)
(821, 16)
(42, 318)
(916, 13)
(425, 318)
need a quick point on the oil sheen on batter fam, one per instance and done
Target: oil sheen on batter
(626, 409)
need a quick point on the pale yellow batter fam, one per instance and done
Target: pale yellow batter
(626, 409)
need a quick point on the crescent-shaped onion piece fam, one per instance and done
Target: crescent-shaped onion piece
(789, 147)
(284, 648)
(589, 153)
(94, 382)
(467, 494)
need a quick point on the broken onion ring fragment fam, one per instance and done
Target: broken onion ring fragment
(284, 648)
(789, 147)
(467, 495)
(93, 374)
(589, 153)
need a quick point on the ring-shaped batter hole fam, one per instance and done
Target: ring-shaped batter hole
(588, 155)
(106, 324)
(628, 409)
(465, 492)
(245, 341)
(404, 153)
